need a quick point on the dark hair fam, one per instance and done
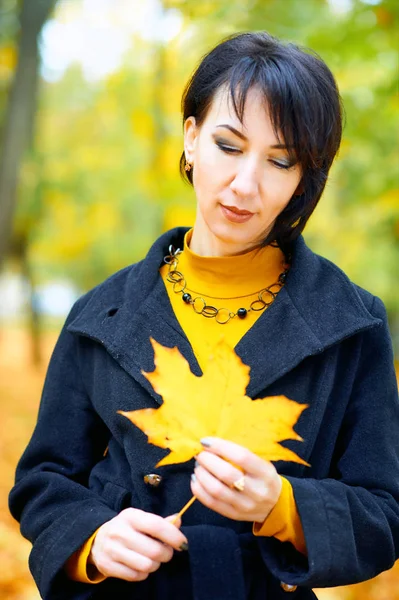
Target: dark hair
(303, 102)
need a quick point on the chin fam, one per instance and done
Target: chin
(229, 234)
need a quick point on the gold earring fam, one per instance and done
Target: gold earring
(187, 166)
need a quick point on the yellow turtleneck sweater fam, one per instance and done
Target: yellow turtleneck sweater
(221, 277)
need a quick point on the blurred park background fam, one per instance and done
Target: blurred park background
(90, 139)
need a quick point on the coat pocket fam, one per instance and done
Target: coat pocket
(116, 497)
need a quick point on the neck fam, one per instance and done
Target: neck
(242, 274)
(204, 243)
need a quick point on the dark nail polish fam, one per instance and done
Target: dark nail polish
(184, 546)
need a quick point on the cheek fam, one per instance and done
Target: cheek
(280, 190)
(208, 176)
(208, 162)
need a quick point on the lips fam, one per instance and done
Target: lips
(237, 211)
(235, 215)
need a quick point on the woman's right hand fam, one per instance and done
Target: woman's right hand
(135, 543)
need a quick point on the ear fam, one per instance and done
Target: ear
(190, 138)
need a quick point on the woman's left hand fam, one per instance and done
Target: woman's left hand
(214, 476)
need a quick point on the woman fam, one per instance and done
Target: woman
(262, 124)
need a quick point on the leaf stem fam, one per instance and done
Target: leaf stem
(183, 510)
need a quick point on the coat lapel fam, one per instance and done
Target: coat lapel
(124, 316)
(317, 308)
(155, 320)
(277, 342)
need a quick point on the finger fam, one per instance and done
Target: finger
(156, 526)
(133, 560)
(121, 571)
(220, 468)
(255, 487)
(110, 568)
(239, 455)
(220, 492)
(147, 546)
(212, 502)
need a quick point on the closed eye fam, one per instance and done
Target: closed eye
(282, 165)
(233, 150)
(227, 149)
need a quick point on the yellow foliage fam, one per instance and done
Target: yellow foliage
(168, 158)
(178, 215)
(142, 123)
(73, 237)
(103, 218)
(57, 169)
(8, 61)
(91, 158)
(363, 76)
(388, 204)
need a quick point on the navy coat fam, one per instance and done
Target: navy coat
(323, 342)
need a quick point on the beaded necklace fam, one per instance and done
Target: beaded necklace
(266, 295)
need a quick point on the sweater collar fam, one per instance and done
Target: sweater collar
(243, 274)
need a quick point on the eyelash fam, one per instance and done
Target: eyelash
(230, 150)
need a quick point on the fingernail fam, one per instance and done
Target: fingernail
(184, 546)
(193, 478)
(196, 464)
(207, 442)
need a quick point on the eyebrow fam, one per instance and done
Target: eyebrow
(243, 137)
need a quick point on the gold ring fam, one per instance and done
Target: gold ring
(239, 485)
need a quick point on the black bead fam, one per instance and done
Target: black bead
(186, 298)
(242, 313)
(282, 277)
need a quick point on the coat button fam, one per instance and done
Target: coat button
(152, 479)
(287, 587)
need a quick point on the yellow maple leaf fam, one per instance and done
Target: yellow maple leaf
(213, 405)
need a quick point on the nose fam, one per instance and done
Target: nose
(246, 181)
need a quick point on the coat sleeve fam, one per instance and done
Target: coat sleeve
(351, 521)
(50, 497)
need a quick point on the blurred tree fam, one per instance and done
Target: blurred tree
(18, 123)
(17, 140)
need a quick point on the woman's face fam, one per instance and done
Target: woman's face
(242, 176)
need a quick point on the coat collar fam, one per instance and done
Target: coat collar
(317, 308)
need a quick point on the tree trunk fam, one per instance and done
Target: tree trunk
(19, 116)
(20, 249)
